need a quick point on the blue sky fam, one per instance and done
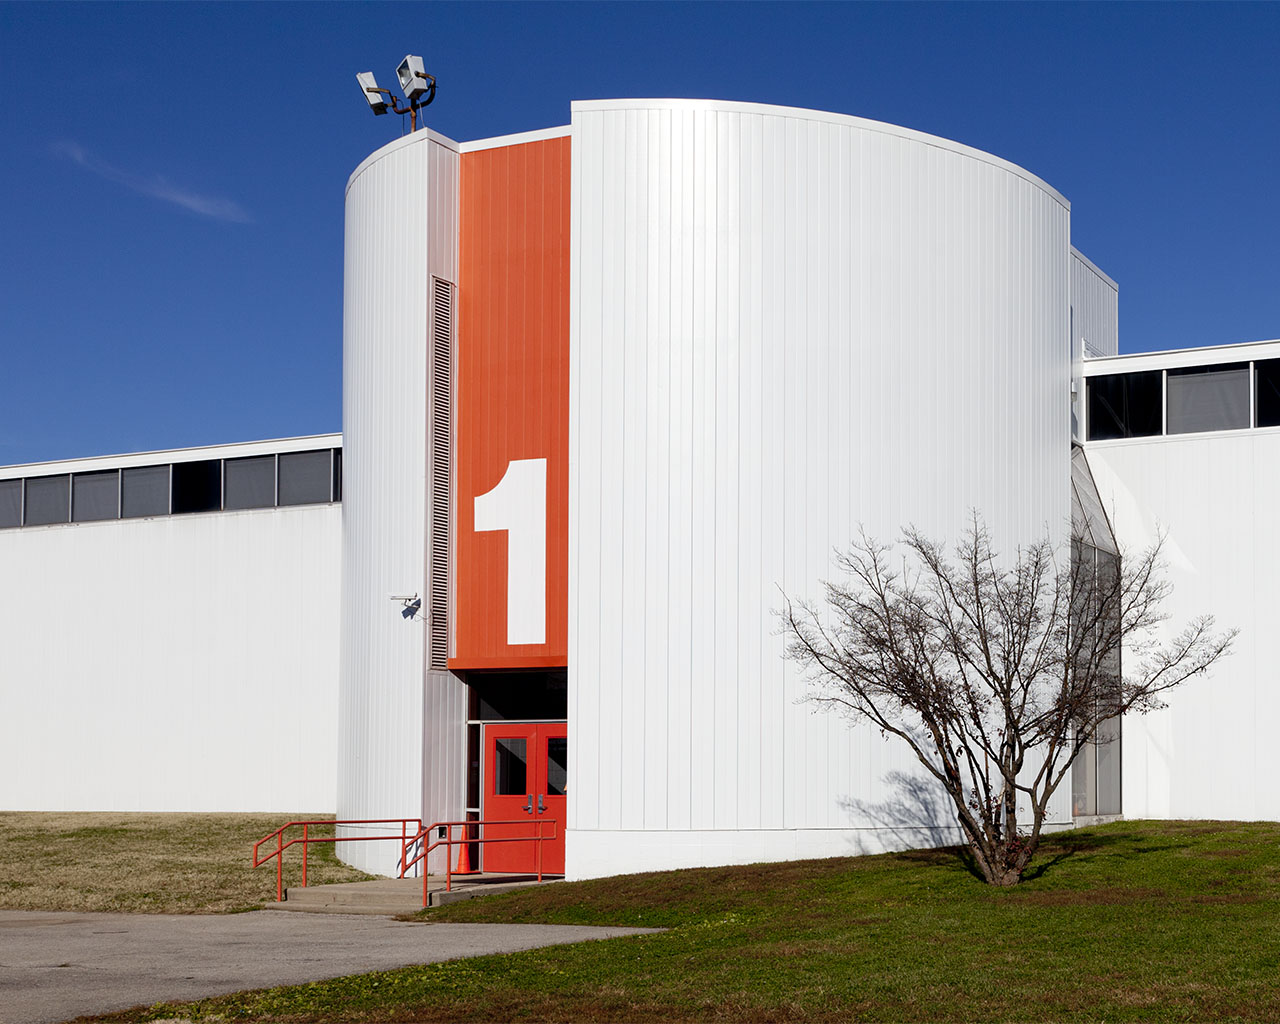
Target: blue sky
(171, 237)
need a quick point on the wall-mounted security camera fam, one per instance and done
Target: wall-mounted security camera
(412, 604)
(375, 96)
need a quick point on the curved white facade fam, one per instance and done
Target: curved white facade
(786, 324)
(400, 727)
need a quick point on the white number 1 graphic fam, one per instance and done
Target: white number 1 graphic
(519, 505)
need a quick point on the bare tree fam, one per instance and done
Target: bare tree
(996, 674)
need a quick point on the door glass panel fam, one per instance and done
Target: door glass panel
(509, 766)
(473, 766)
(557, 765)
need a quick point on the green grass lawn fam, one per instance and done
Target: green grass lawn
(1132, 921)
(149, 863)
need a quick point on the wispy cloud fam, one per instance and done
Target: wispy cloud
(156, 187)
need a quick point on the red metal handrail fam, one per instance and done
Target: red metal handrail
(407, 842)
(448, 842)
(306, 840)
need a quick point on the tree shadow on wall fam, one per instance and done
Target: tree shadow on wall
(918, 820)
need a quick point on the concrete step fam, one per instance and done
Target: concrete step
(392, 896)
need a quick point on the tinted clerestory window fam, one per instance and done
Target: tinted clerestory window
(10, 503)
(144, 491)
(1208, 398)
(48, 500)
(1267, 408)
(306, 477)
(1125, 405)
(197, 486)
(208, 485)
(250, 483)
(95, 496)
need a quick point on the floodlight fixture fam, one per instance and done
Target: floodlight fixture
(419, 90)
(413, 77)
(369, 86)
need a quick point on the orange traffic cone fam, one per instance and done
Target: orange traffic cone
(464, 860)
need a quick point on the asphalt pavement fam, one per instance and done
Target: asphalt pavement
(57, 966)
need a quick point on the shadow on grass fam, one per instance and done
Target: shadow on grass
(1060, 847)
(942, 856)
(1055, 849)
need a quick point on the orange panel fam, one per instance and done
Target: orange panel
(513, 392)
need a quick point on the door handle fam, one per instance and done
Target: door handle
(541, 808)
(528, 805)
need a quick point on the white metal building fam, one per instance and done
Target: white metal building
(610, 390)
(1188, 443)
(780, 324)
(170, 629)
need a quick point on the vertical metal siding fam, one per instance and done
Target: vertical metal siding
(444, 721)
(182, 663)
(1211, 753)
(513, 386)
(782, 327)
(402, 729)
(1095, 304)
(1095, 328)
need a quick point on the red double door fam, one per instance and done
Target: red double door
(526, 769)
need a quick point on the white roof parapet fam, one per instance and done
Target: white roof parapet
(826, 117)
(1094, 267)
(1170, 359)
(728, 106)
(413, 138)
(429, 135)
(235, 450)
(518, 139)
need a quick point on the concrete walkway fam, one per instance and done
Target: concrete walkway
(393, 896)
(56, 966)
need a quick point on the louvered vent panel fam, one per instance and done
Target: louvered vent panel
(441, 455)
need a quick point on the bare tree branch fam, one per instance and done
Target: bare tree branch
(995, 672)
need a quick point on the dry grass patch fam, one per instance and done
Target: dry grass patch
(148, 863)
